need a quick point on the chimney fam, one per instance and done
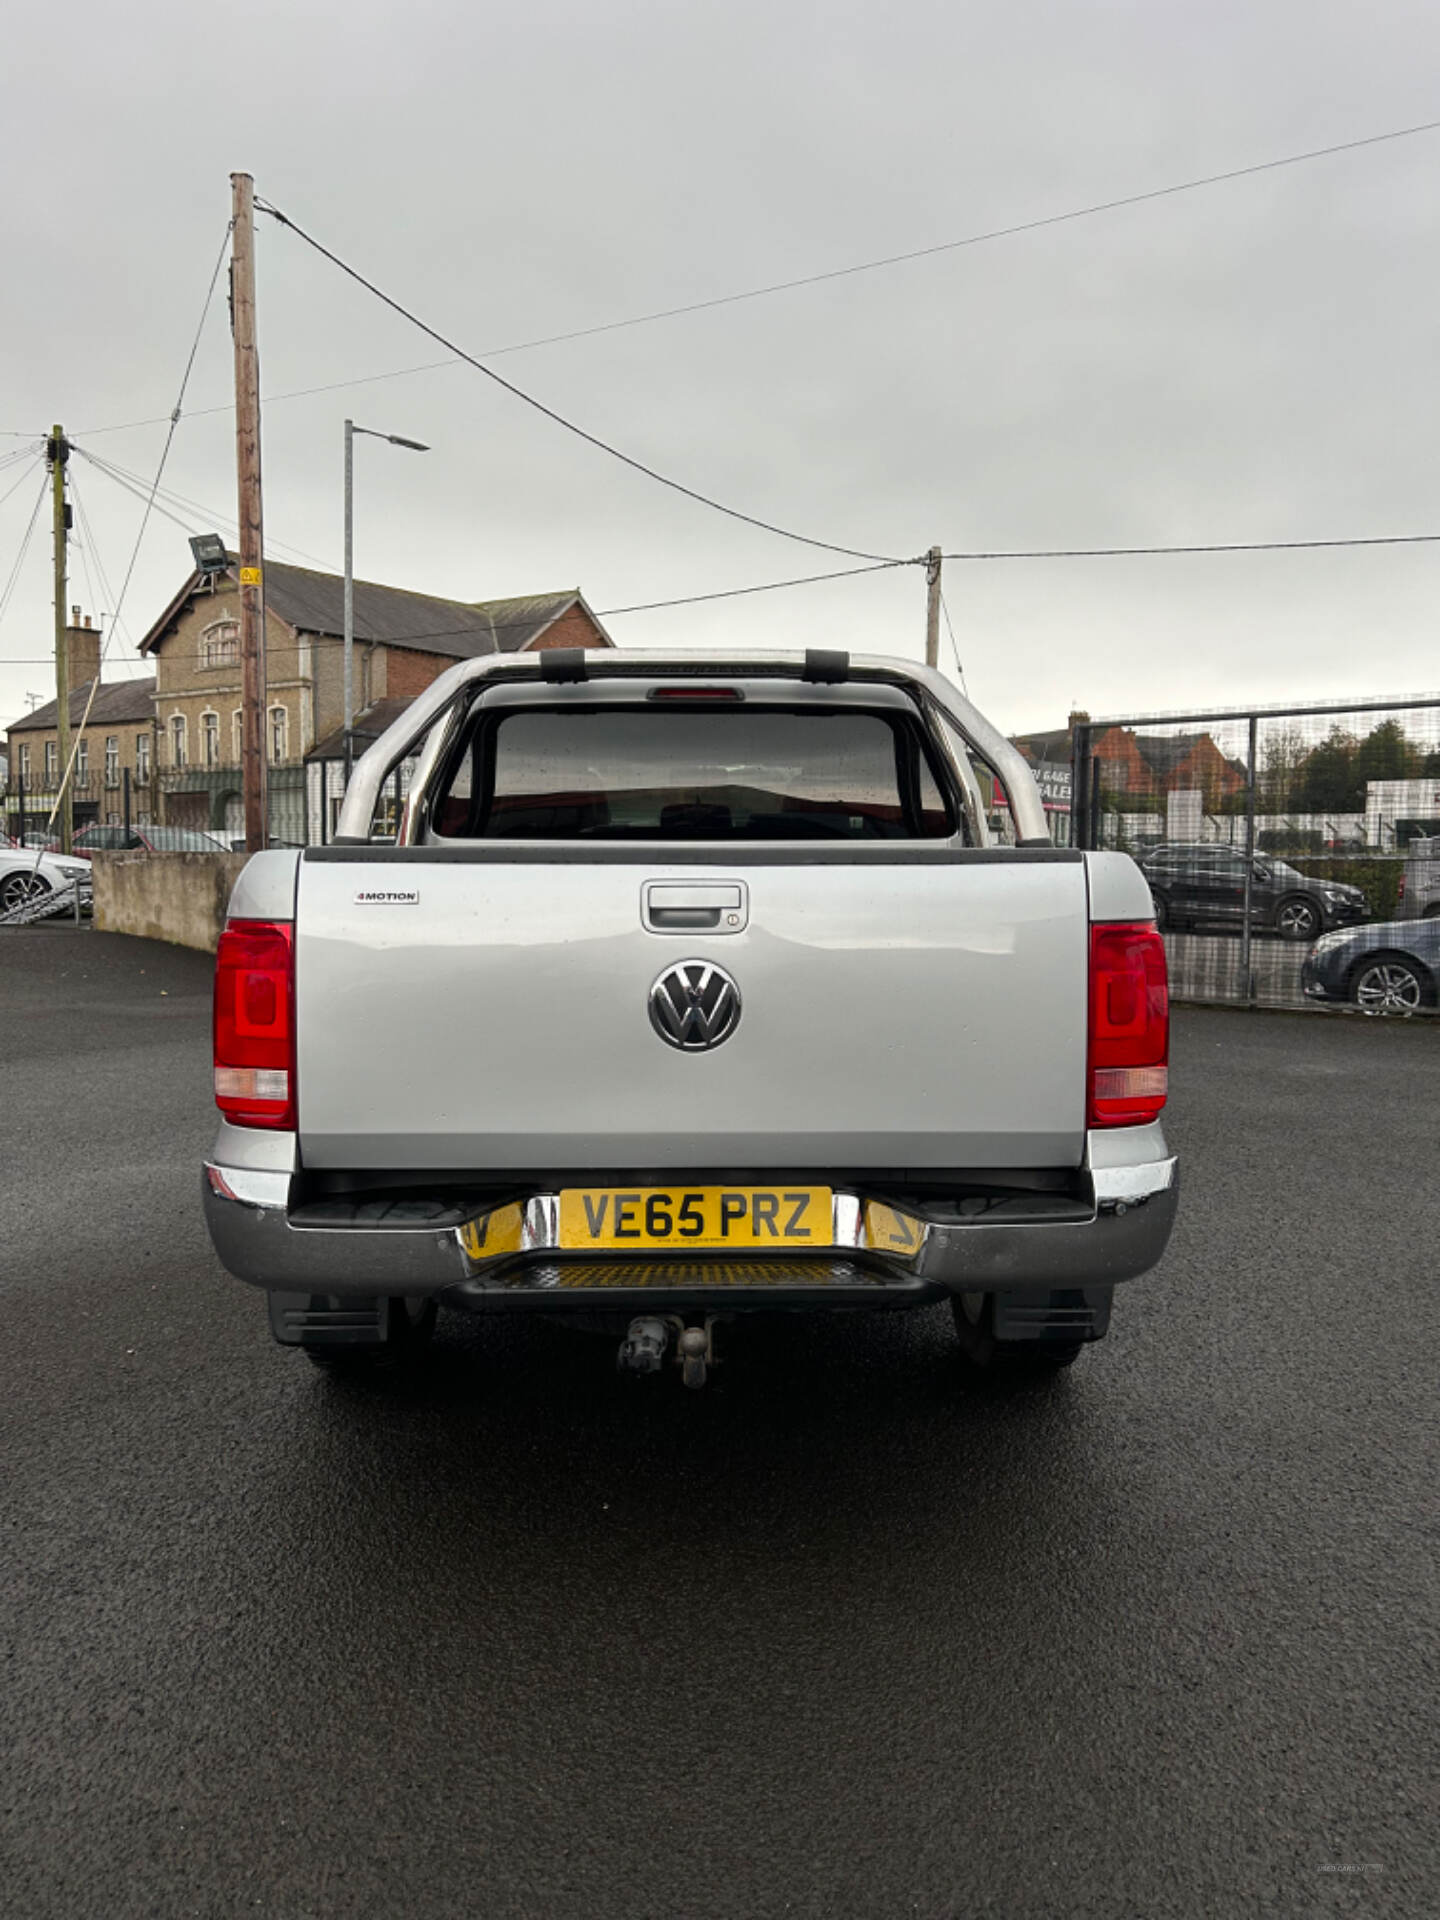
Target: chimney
(82, 651)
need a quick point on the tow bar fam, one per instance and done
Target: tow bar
(647, 1342)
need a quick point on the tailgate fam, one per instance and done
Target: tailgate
(924, 1011)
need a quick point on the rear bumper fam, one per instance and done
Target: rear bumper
(1121, 1236)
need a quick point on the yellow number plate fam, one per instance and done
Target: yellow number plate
(679, 1217)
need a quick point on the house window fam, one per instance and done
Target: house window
(220, 644)
(112, 759)
(177, 740)
(24, 763)
(142, 756)
(210, 738)
(52, 759)
(82, 759)
(237, 736)
(279, 734)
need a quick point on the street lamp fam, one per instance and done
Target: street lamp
(395, 440)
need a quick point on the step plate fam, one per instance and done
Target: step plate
(660, 1284)
(569, 1274)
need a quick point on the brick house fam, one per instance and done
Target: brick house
(118, 739)
(403, 641)
(1142, 765)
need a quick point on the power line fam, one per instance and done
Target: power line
(118, 612)
(848, 573)
(24, 547)
(136, 483)
(605, 613)
(570, 426)
(92, 546)
(1228, 546)
(768, 586)
(20, 481)
(834, 273)
(210, 514)
(954, 643)
(305, 393)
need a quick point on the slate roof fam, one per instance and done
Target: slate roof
(1050, 748)
(1163, 752)
(117, 703)
(368, 727)
(314, 602)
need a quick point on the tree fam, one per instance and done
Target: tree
(1386, 753)
(1282, 755)
(1328, 781)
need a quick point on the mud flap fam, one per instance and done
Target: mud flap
(1065, 1315)
(322, 1320)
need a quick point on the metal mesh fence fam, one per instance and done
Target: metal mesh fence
(325, 790)
(1293, 856)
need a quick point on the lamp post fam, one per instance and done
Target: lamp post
(395, 440)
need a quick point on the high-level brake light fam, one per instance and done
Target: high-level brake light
(724, 696)
(1129, 1024)
(255, 1024)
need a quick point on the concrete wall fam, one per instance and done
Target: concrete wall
(179, 897)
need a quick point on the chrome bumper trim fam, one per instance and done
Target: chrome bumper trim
(1117, 1188)
(247, 1212)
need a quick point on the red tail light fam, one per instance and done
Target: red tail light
(1129, 1024)
(255, 1024)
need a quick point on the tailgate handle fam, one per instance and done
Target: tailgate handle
(699, 906)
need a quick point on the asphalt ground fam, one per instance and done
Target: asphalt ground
(834, 1637)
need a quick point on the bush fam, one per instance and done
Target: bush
(1284, 841)
(1377, 875)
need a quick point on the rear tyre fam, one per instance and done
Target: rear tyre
(1297, 918)
(1013, 1361)
(1162, 911)
(411, 1324)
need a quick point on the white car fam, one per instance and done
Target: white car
(26, 874)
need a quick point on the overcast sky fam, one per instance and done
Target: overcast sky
(1251, 361)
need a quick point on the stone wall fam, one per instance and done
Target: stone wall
(179, 897)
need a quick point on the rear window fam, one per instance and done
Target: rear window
(722, 774)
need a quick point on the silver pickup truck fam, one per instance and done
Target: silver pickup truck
(690, 986)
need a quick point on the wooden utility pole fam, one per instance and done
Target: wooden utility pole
(252, 526)
(59, 452)
(932, 608)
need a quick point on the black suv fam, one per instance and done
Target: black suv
(1195, 884)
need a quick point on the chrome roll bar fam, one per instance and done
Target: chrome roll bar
(379, 761)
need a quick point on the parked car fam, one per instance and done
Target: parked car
(27, 873)
(1389, 968)
(1418, 893)
(1199, 884)
(698, 987)
(147, 839)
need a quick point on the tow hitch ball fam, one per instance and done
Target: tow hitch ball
(645, 1345)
